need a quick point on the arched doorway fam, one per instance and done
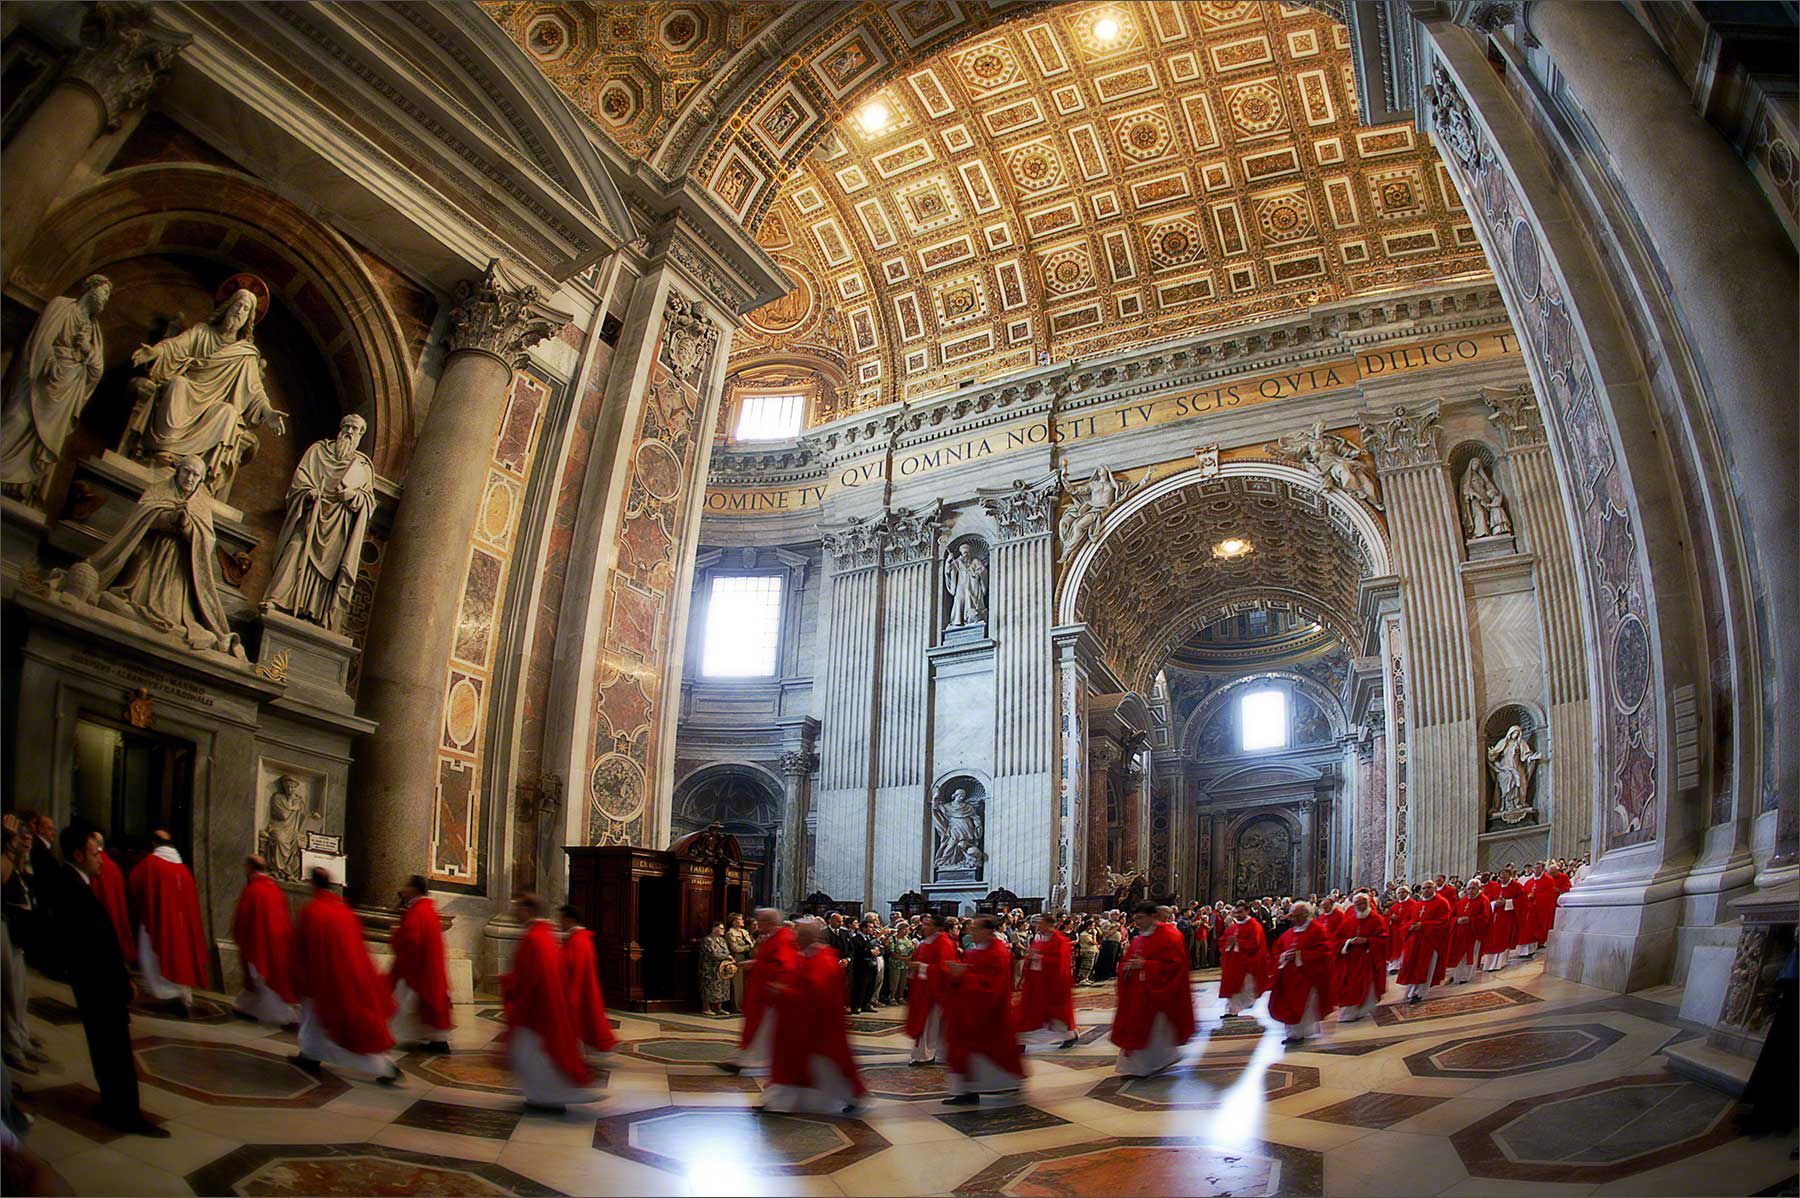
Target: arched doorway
(746, 802)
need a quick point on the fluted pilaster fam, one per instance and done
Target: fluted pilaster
(844, 801)
(909, 620)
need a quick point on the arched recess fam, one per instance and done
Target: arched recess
(746, 800)
(1209, 706)
(227, 217)
(1247, 825)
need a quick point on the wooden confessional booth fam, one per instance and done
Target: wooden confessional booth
(649, 907)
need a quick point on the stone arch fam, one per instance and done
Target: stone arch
(746, 800)
(1222, 697)
(227, 217)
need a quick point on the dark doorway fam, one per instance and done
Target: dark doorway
(129, 782)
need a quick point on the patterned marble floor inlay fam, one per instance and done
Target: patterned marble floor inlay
(203, 1011)
(485, 1072)
(1514, 1051)
(907, 1083)
(1599, 1132)
(1000, 1121)
(1469, 1002)
(685, 1139)
(488, 1123)
(330, 1170)
(232, 1074)
(1374, 1110)
(1204, 1087)
(1154, 1168)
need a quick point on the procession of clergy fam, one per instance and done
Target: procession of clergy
(967, 1005)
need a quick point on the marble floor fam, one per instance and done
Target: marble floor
(1519, 1084)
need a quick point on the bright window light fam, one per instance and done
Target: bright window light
(743, 626)
(770, 417)
(1262, 720)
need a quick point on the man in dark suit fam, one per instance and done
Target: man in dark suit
(103, 990)
(863, 948)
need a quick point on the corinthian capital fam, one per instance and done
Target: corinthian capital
(855, 545)
(913, 536)
(1516, 415)
(123, 56)
(499, 315)
(1404, 437)
(1023, 509)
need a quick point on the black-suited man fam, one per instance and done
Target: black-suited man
(103, 990)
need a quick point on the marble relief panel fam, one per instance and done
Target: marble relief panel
(469, 679)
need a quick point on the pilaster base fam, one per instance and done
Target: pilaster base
(1619, 937)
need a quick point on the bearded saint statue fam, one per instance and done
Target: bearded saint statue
(328, 508)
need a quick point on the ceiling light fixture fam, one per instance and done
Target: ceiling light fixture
(875, 117)
(1106, 30)
(1232, 548)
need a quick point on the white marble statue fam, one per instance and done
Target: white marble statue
(1484, 507)
(284, 837)
(1331, 460)
(209, 386)
(159, 568)
(966, 578)
(957, 822)
(329, 504)
(1089, 501)
(1513, 761)
(54, 378)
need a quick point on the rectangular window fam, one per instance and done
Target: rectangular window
(1262, 721)
(770, 417)
(743, 626)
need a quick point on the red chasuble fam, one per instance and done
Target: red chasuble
(776, 956)
(1508, 911)
(1464, 936)
(418, 944)
(163, 895)
(1243, 951)
(1360, 966)
(265, 936)
(581, 974)
(1563, 886)
(927, 988)
(535, 999)
(332, 968)
(109, 888)
(1048, 994)
(1308, 972)
(811, 1002)
(1400, 916)
(1428, 933)
(977, 1010)
(1157, 986)
(1544, 893)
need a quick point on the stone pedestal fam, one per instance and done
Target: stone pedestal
(963, 894)
(1501, 545)
(313, 661)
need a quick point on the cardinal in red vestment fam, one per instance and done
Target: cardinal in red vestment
(980, 1050)
(1361, 974)
(1400, 915)
(542, 1046)
(1244, 966)
(171, 943)
(1155, 1016)
(925, 992)
(1046, 1012)
(581, 974)
(777, 956)
(1424, 959)
(1464, 953)
(417, 979)
(265, 942)
(1302, 993)
(1542, 891)
(1508, 913)
(1493, 949)
(810, 1067)
(344, 1008)
(109, 888)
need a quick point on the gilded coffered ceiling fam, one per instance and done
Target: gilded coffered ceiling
(959, 190)
(1172, 568)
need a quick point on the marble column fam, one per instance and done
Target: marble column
(1538, 511)
(123, 56)
(1105, 755)
(494, 322)
(845, 807)
(1074, 650)
(1444, 738)
(797, 767)
(909, 615)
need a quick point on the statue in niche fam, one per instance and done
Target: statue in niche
(1089, 501)
(57, 372)
(205, 384)
(958, 827)
(1334, 463)
(159, 568)
(329, 504)
(966, 578)
(1484, 507)
(1513, 761)
(284, 836)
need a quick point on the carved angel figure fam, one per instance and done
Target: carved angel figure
(1089, 501)
(1332, 461)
